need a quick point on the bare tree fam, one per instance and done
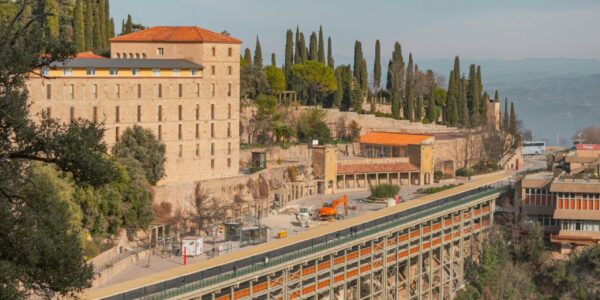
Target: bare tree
(209, 210)
(590, 135)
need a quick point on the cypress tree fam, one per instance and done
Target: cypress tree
(258, 57)
(129, 25)
(289, 55)
(474, 95)
(394, 92)
(321, 52)
(89, 25)
(409, 112)
(302, 48)
(359, 68)
(399, 66)
(457, 74)
(513, 119)
(377, 66)
(52, 22)
(313, 52)
(247, 57)
(484, 101)
(465, 108)
(97, 26)
(273, 60)
(364, 76)
(330, 61)
(505, 120)
(451, 107)
(108, 23)
(123, 28)
(100, 23)
(419, 109)
(496, 97)
(78, 27)
(112, 28)
(297, 54)
(431, 112)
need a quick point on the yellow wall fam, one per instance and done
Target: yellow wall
(123, 72)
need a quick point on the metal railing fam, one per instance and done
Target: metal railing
(286, 258)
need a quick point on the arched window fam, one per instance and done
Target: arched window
(118, 55)
(131, 55)
(144, 55)
(137, 56)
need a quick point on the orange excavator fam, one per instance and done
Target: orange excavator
(329, 211)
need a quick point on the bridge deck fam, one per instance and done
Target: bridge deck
(307, 236)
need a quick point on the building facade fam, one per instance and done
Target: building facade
(568, 209)
(182, 83)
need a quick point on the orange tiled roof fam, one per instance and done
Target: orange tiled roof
(393, 139)
(176, 34)
(376, 168)
(88, 54)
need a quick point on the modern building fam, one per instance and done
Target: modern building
(569, 209)
(182, 83)
(388, 157)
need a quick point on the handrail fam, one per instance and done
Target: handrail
(189, 287)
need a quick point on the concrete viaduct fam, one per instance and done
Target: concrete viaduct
(414, 250)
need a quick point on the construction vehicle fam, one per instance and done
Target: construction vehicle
(329, 210)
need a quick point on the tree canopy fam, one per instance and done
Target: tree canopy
(313, 81)
(141, 144)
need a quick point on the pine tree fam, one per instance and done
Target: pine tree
(330, 61)
(474, 95)
(377, 66)
(89, 25)
(289, 55)
(273, 60)
(78, 27)
(52, 11)
(258, 57)
(409, 112)
(313, 47)
(247, 57)
(505, 119)
(321, 52)
(297, 54)
(513, 119)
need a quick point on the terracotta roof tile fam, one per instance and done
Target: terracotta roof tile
(176, 34)
(393, 139)
(376, 168)
(88, 54)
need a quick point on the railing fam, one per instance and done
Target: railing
(286, 258)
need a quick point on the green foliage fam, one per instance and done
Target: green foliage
(275, 79)
(247, 59)
(513, 119)
(289, 55)
(385, 190)
(78, 27)
(438, 175)
(311, 126)
(348, 94)
(359, 68)
(377, 66)
(51, 9)
(141, 144)
(465, 172)
(253, 81)
(330, 61)
(409, 108)
(313, 81)
(321, 52)
(313, 47)
(258, 56)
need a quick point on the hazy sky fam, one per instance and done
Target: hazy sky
(476, 29)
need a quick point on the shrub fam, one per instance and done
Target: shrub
(385, 190)
(465, 172)
(438, 175)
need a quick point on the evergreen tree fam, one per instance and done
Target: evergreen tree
(302, 48)
(364, 77)
(484, 102)
(409, 112)
(419, 109)
(273, 60)
(78, 27)
(457, 74)
(505, 119)
(431, 113)
(298, 53)
(313, 47)
(258, 57)
(377, 66)
(513, 119)
(109, 24)
(89, 25)
(330, 61)
(122, 27)
(394, 92)
(289, 55)
(52, 11)
(129, 25)
(451, 102)
(496, 96)
(112, 28)
(474, 95)
(321, 52)
(247, 57)
(101, 24)
(359, 68)
(465, 107)
(97, 26)
(397, 68)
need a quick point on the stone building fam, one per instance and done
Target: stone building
(180, 82)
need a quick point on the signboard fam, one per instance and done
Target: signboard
(587, 146)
